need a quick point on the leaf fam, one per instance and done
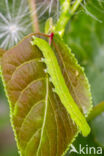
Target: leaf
(49, 25)
(40, 122)
(74, 75)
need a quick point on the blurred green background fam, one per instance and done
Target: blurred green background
(85, 35)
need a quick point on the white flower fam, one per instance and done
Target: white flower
(15, 21)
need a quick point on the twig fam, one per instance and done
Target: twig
(97, 110)
(75, 6)
(35, 25)
(64, 17)
(66, 13)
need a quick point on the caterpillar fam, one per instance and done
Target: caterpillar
(61, 89)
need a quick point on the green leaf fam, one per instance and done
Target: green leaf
(40, 122)
(74, 75)
(49, 25)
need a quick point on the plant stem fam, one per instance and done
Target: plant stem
(75, 6)
(97, 110)
(64, 17)
(66, 13)
(35, 25)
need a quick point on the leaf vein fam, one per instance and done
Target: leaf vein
(22, 92)
(21, 65)
(45, 114)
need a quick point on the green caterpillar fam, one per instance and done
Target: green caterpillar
(53, 69)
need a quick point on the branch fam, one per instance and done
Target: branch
(66, 13)
(97, 110)
(64, 17)
(75, 6)
(32, 5)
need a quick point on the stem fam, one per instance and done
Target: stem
(35, 25)
(66, 13)
(64, 17)
(75, 6)
(97, 110)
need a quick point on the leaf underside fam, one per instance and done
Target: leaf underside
(40, 122)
